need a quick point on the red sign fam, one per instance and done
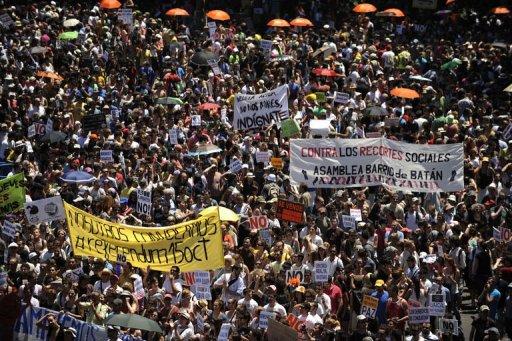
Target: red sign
(258, 222)
(290, 211)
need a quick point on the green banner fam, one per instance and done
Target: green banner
(12, 194)
(289, 128)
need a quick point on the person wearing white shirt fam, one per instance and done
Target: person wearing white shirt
(333, 261)
(104, 282)
(314, 317)
(183, 329)
(248, 301)
(305, 317)
(273, 306)
(232, 284)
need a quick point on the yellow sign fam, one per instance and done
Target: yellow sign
(12, 194)
(277, 163)
(192, 245)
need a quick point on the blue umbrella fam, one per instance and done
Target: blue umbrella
(78, 177)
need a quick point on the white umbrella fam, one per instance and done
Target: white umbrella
(508, 88)
(421, 78)
(71, 22)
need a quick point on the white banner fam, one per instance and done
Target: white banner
(335, 163)
(40, 211)
(262, 110)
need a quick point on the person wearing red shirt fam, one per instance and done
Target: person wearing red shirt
(335, 294)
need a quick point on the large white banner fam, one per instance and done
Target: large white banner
(43, 210)
(334, 163)
(262, 110)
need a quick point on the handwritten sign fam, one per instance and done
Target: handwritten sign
(224, 332)
(10, 229)
(436, 305)
(173, 136)
(202, 292)
(419, 315)
(349, 222)
(143, 202)
(295, 274)
(341, 97)
(106, 156)
(369, 306)
(262, 157)
(258, 222)
(235, 166)
(202, 277)
(356, 213)
(321, 271)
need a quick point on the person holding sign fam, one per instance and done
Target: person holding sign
(396, 313)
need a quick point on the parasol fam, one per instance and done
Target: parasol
(169, 101)
(391, 12)
(110, 4)
(325, 72)
(301, 22)
(405, 93)
(71, 22)
(70, 35)
(364, 8)
(133, 321)
(204, 149)
(177, 12)
(208, 106)
(278, 23)
(201, 58)
(500, 10)
(50, 75)
(217, 14)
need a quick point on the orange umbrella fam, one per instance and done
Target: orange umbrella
(449, 2)
(50, 75)
(301, 22)
(278, 23)
(364, 8)
(391, 12)
(208, 106)
(500, 10)
(405, 93)
(217, 14)
(325, 72)
(177, 12)
(110, 4)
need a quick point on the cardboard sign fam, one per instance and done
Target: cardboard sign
(196, 120)
(173, 136)
(349, 222)
(341, 97)
(320, 97)
(369, 306)
(93, 122)
(202, 292)
(289, 128)
(277, 163)
(258, 222)
(321, 271)
(49, 209)
(10, 229)
(143, 202)
(290, 211)
(264, 317)
(449, 326)
(419, 315)
(266, 47)
(436, 305)
(106, 156)
(277, 331)
(235, 166)
(6, 21)
(215, 67)
(295, 274)
(356, 213)
(262, 157)
(224, 332)
(202, 277)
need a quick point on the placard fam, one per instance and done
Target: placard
(235, 166)
(49, 125)
(224, 332)
(266, 236)
(356, 213)
(12, 192)
(341, 163)
(449, 326)
(392, 122)
(202, 277)
(143, 202)
(496, 234)
(290, 211)
(196, 120)
(277, 163)
(215, 67)
(10, 229)
(266, 47)
(258, 222)
(106, 156)
(419, 315)
(6, 21)
(349, 222)
(436, 304)
(125, 15)
(202, 292)
(369, 306)
(262, 157)
(43, 210)
(295, 274)
(320, 97)
(173, 136)
(341, 97)
(93, 122)
(289, 128)
(373, 134)
(31, 131)
(321, 271)
(264, 317)
(138, 287)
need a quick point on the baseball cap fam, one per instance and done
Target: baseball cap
(484, 308)
(379, 283)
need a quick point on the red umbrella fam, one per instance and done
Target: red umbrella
(177, 12)
(208, 106)
(278, 23)
(301, 22)
(110, 4)
(325, 72)
(172, 77)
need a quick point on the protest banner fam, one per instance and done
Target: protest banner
(349, 222)
(449, 326)
(202, 277)
(12, 194)
(264, 317)
(143, 202)
(289, 128)
(290, 211)
(321, 271)
(106, 155)
(277, 331)
(10, 229)
(235, 166)
(263, 157)
(224, 332)
(192, 245)
(369, 306)
(26, 326)
(173, 136)
(258, 222)
(436, 304)
(424, 4)
(356, 213)
(277, 163)
(6, 20)
(261, 110)
(341, 97)
(43, 210)
(93, 122)
(295, 274)
(125, 15)
(334, 163)
(418, 315)
(202, 291)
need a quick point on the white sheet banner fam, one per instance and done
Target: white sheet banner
(262, 110)
(335, 163)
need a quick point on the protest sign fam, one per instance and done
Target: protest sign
(277, 163)
(333, 163)
(424, 4)
(202, 277)
(43, 210)
(341, 97)
(6, 20)
(262, 157)
(138, 287)
(12, 194)
(349, 222)
(496, 234)
(266, 47)
(3, 278)
(143, 202)
(295, 274)
(215, 66)
(418, 315)
(266, 236)
(430, 259)
(319, 128)
(125, 15)
(369, 306)
(202, 291)
(289, 128)
(10, 229)
(373, 134)
(31, 131)
(320, 97)
(196, 120)
(173, 136)
(277, 331)
(392, 122)
(436, 304)
(39, 129)
(258, 222)
(321, 271)
(264, 317)
(26, 327)
(449, 326)
(290, 211)
(356, 213)
(93, 122)
(212, 30)
(49, 125)
(192, 245)
(224, 332)
(507, 133)
(261, 110)
(189, 278)
(501, 233)
(235, 166)
(106, 156)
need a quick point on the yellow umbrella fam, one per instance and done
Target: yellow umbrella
(225, 214)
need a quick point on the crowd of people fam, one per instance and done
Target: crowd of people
(406, 247)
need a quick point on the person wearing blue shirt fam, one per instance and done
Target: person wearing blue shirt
(383, 296)
(491, 297)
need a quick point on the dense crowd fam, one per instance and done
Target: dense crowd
(406, 247)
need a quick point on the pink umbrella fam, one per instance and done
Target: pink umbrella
(45, 38)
